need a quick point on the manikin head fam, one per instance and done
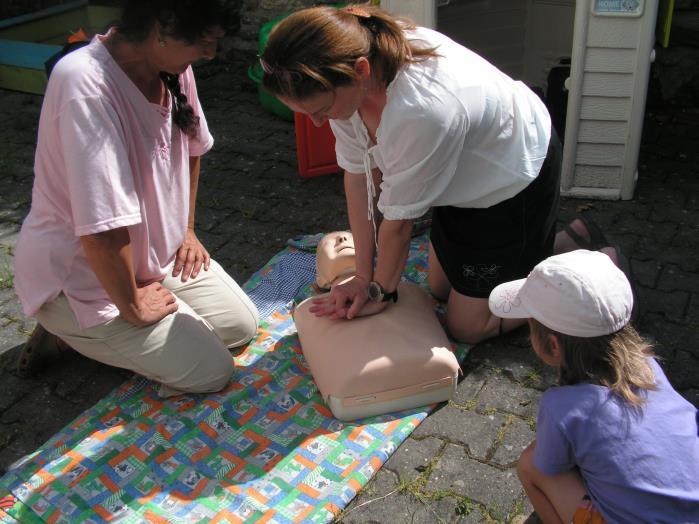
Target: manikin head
(334, 257)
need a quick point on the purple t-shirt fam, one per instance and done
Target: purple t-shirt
(639, 465)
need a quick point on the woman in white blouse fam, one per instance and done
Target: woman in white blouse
(423, 123)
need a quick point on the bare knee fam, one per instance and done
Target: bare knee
(467, 333)
(525, 465)
(439, 286)
(436, 278)
(469, 319)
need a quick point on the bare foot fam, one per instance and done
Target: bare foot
(565, 243)
(620, 261)
(611, 253)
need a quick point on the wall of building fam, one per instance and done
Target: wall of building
(10, 8)
(256, 13)
(674, 68)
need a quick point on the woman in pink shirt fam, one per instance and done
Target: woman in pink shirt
(107, 260)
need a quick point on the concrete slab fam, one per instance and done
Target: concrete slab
(474, 431)
(493, 488)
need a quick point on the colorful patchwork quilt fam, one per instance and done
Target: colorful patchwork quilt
(265, 449)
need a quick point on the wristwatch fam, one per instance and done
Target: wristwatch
(378, 294)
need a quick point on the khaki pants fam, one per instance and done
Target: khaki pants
(186, 351)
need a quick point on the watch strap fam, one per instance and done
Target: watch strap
(393, 295)
(378, 294)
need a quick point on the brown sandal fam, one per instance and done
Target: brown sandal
(597, 239)
(624, 264)
(41, 349)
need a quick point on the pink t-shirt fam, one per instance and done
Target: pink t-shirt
(106, 158)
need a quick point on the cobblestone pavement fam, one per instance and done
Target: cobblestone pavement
(459, 465)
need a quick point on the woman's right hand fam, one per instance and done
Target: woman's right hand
(153, 303)
(345, 300)
(110, 256)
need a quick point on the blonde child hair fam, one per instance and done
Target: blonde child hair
(617, 361)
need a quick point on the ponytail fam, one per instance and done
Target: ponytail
(315, 49)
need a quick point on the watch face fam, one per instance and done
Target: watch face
(374, 291)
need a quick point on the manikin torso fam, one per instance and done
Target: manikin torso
(402, 346)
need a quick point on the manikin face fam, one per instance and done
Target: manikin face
(334, 257)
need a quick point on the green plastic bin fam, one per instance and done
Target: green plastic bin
(268, 101)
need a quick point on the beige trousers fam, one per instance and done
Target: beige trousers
(186, 351)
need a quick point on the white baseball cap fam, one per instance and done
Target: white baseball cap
(580, 293)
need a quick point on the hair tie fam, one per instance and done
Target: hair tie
(358, 11)
(265, 66)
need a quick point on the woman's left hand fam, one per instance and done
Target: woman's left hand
(191, 257)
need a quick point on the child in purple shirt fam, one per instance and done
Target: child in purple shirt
(614, 442)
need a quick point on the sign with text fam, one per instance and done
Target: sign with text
(617, 7)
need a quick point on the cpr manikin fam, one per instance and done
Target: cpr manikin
(394, 360)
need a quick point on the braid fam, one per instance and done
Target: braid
(182, 114)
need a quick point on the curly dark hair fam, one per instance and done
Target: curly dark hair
(186, 20)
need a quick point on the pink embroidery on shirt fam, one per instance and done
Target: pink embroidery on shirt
(162, 151)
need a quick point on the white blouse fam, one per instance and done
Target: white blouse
(455, 131)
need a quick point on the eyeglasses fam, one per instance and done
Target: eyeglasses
(265, 66)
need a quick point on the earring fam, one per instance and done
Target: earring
(162, 43)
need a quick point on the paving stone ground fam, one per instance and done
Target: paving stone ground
(459, 465)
